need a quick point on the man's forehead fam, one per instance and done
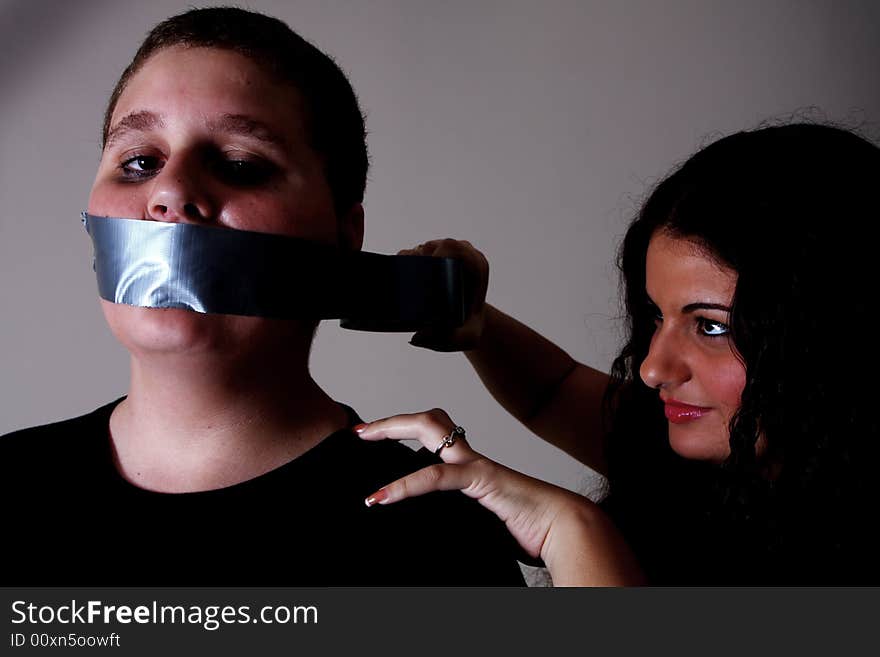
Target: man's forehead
(228, 123)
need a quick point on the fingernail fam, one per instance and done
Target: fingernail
(376, 497)
(358, 428)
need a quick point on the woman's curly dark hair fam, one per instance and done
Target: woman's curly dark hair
(793, 210)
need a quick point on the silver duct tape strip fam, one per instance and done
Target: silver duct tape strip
(218, 270)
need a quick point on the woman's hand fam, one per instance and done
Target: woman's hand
(476, 266)
(577, 542)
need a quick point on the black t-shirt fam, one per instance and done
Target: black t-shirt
(69, 518)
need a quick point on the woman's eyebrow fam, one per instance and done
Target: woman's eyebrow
(691, 307)
(136, 121)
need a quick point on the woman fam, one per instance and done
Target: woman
(736, 429)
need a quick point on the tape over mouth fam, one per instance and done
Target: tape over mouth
(208, 269)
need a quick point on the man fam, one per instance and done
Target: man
(226, 463)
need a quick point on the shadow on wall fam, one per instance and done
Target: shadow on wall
(26, 23)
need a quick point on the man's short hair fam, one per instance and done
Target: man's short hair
(334, 121)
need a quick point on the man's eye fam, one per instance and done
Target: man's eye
(712, 328)
(140, 166)
(244, 172)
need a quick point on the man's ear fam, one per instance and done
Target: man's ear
(351, 228)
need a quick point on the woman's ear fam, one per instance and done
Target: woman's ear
(350, 227)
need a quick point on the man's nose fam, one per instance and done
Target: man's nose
(665, 365)
(181, 194)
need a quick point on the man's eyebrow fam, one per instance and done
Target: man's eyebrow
(136, 121)
(691, 307)
(241, 124)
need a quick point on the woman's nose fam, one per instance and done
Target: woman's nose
(180, 194)
(665, 365)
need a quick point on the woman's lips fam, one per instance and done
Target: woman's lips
(678, 412)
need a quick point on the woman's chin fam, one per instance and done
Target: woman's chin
(699, 443)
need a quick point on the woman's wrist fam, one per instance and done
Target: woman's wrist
(584, 548)
(478, 328)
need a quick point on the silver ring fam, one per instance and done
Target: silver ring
(450, 438)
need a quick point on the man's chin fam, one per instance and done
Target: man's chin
(176, 330)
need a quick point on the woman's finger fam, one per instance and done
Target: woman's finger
(476, 269)
(525, 505)
(433, 429)
(450, 248)
(442, 476)
(425, 248)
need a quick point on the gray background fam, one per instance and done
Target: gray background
(533, 129)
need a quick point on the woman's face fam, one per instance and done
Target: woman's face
(204, 136)
(691, 361)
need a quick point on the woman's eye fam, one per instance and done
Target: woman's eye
(712, 328)
(140, 166)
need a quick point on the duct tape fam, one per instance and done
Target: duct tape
(208, 269)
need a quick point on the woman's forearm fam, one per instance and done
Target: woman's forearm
(542, 386)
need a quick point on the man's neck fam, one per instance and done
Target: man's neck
(190, 425)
